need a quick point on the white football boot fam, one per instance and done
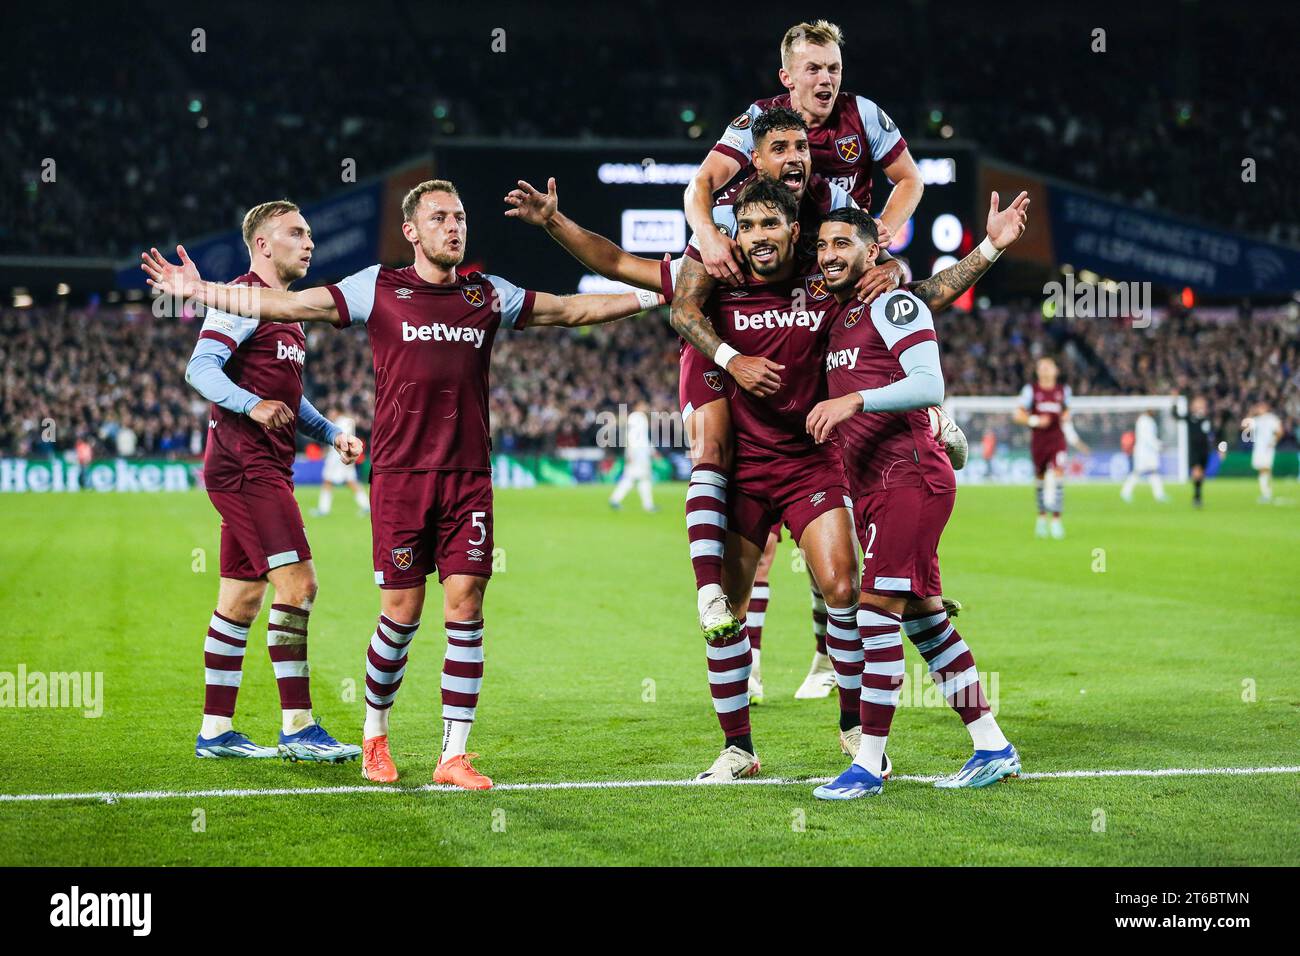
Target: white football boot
(717, 620)
(952, 438)
(820, 680)
(732, 764)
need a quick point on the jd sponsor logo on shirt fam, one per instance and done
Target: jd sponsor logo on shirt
(287, 350)
(438, 332)
(776, 319)
(901, 309)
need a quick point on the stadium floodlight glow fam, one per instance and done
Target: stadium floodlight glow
(946, 232)
(942, 263)
(653, 230)
(62, 289)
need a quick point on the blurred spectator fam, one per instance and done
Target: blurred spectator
(115, 378)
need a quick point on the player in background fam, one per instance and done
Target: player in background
(431, 332)
(883, 375)
(638, 459)
(1045, 408)
(1200, 440)
(338, 472)
(1264, 429)
(252, 375)
(847, 134)
(1146, 459)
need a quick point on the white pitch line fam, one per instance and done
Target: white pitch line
(105, 796)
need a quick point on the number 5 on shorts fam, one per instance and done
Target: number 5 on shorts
(476, 519)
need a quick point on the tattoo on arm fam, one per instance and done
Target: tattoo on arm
(942, 289)
(690, 292)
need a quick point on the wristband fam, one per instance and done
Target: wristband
(987, 250)
(1034, 421)
(647, 299)
(723, 355)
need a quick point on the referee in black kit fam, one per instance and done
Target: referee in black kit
(1200, 439)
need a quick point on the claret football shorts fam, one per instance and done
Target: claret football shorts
(422, 521)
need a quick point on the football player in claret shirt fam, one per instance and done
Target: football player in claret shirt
(780, 154)
(883, 375)
(847, 135)
(431, 332)
(252, 375)
(1044, 406)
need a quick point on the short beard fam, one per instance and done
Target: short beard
(292, 272)
(445, 260)
(765, 270)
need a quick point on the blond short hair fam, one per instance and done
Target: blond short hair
(412, 199)
(818, 33)
(258, 215)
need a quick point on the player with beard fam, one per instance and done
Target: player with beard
(431, 332)
(252, 375)
(780, 154)
(779, 473)
(883, 375)
(847, 134)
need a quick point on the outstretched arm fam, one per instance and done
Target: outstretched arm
(255, 302)
(590, 308)
(591, 249)
(1004, 227)
(690, 293)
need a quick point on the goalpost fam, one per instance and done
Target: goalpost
(999, 448)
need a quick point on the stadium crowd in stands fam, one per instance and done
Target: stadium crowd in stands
(112, 379)
(193, 140)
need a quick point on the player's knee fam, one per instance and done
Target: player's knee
(840, 591)
(298, 589)
(242, 608)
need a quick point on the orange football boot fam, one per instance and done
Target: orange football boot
(458, 772)
(376, 762)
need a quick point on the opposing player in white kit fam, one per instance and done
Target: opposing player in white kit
(638, 455)
(337, 473)
(1265, 429)
(1146, 459)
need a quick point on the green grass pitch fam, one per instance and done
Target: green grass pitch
(1152, 637)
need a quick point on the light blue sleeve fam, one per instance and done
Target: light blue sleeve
(882, 134)
(922, 387)
(737, 141)
(358, 294)
(315, 425)
(514, 303)
(907, 329)
(207, 376)
(841, 199)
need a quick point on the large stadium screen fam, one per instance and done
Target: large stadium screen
(633, 195)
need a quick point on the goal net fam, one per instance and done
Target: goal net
(999, 448)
